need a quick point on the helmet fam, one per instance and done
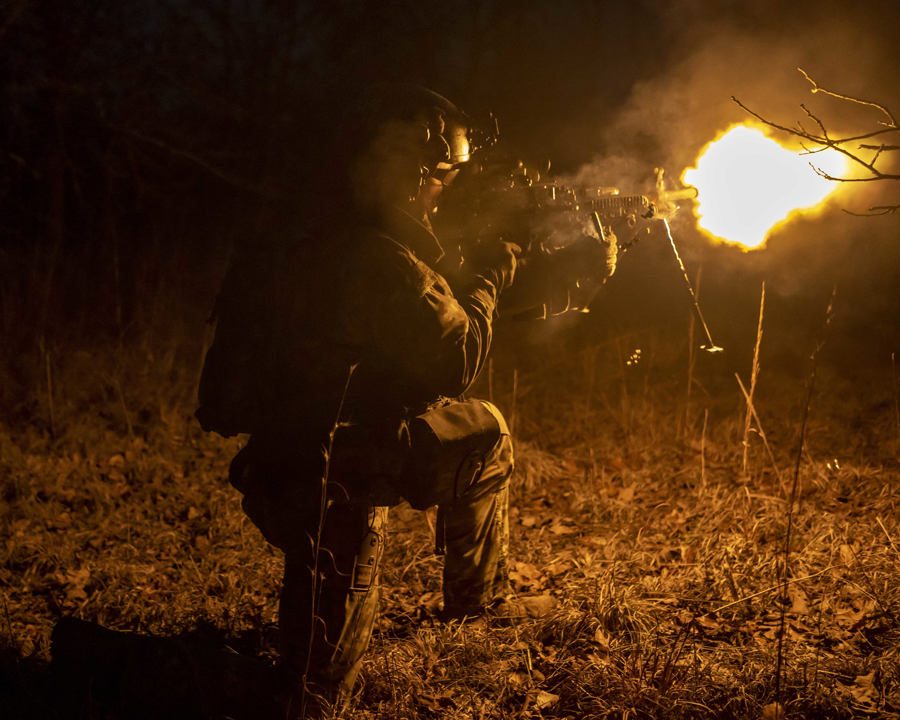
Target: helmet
(396, 136)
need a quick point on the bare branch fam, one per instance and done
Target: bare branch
(814, 142)
(874, 133)
(817, 88)
(818, 122)
(877, 176)
(201, 162)
(876, 211)
(790, 131)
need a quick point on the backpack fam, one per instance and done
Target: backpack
(233, 382)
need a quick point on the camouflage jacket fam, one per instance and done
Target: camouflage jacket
(368, 336)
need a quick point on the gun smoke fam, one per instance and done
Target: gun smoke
(670, 117)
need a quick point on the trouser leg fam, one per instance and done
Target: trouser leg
(476, 532)
(325, 627)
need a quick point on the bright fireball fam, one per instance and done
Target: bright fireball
(748, 183)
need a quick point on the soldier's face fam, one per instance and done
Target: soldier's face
(429, 191)
(435, 183)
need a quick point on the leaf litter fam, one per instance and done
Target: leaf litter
(661, 555)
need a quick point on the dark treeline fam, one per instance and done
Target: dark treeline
(141, 141)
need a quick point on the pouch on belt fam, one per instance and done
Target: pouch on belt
(448, 449)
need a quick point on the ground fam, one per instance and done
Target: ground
(630, 505)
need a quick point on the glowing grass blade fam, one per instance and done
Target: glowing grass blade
(749, 183)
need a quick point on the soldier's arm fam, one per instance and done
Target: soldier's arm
(438, 339)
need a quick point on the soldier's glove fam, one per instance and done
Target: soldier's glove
(495, 262)
(587, 258)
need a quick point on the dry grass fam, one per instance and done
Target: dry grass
(663, 554)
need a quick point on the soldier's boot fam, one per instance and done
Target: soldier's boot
(502, 611)
(324, 640)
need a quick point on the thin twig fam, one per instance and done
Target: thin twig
(124, 407)
(876, 211)
(754, 372)
(692, 356)
(200, 162)
(12, 636)
(896, 401)
(591, 356)
(49, 388)
(317, 545)
(703, 451)
(792, 581)
(873, 593)
(793, 497)
(762, 433)
(818, 88)
(886, 533)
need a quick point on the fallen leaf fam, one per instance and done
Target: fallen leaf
(527, 569)
(525, 575)
(626, 494)
(559, 568)
(710, 621)
(863, 688)
(76, 581)
(539, 605)
(430, 601)
(201, 542)
(558, 528)
(601, 639)
(518, 679)
(772, 711)
(799, 603)
(545, 699)
(847, 555)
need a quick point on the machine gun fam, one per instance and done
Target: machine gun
(508, 202)
(499, 202)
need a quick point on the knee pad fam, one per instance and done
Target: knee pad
(365, 564)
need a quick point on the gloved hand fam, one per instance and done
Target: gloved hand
(494, 261)
(587, 257)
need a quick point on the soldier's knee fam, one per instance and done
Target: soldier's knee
(505, 460)
(500, 459)
(367, 561)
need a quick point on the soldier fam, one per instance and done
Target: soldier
(356, 385)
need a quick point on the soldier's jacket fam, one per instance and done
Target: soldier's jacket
(367, 299)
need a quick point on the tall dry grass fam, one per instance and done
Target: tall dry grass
(664, 554)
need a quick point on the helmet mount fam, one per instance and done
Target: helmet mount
(397, 136)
